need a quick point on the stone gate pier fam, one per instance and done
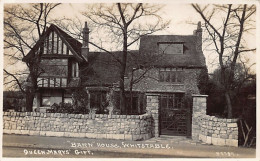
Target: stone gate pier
(211, 129)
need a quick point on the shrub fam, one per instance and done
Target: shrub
(62, 108)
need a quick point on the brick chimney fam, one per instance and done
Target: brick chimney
(85, 47)
(198, 34)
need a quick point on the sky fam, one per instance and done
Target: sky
(180, 14)
(183, 22)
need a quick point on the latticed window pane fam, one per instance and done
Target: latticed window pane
(180, 76)
(39, 82)
(161, 76)
(57, 82)
(167, 76)
(45, 49)
(55, 43)
(59, 45)
(63, 82)
(64, 49)
(45, 82)
(54, 67)
(173, 76)
(51, 82)
(50, 44)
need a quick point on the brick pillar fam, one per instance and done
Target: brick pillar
(152, 108)
(198, 109)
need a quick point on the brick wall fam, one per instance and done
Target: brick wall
(123, 127)
(210, 129)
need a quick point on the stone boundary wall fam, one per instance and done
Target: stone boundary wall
(100, 126)
(210, 129)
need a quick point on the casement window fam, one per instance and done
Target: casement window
(172, 101)
(75, 70)
(46, 98)
(67, 98)
(55, 67)
(55, 43)
(50, 43)
(170, 48)
(172, 75)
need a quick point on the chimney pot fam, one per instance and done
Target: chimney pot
(85, 48)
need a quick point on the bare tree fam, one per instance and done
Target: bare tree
(226, 26)
(24, 25)
(119, 27)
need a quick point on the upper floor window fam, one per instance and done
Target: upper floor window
(170, 48)
(55, 67)
(75, 69)
(174, 75)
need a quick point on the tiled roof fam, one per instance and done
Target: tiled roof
(189, 58)
(103, 69)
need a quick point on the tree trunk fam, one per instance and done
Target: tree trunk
(229, 105)
(122, 75)
(131, 98)
(29, 102)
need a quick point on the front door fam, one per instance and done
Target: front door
(173, 114)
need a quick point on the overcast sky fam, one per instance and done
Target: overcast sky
(181, 16)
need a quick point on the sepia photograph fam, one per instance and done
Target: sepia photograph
(129, 79)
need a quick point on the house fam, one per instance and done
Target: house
(166, 65)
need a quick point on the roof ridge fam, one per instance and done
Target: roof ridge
(168, 35)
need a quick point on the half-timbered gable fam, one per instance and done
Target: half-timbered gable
(60, 66)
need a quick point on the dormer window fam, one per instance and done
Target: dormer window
(170, 48)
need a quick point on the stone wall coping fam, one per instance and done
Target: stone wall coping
(76, 116)
(217, 119)
(152, 94)
(199, 95)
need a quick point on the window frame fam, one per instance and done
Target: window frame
(171, 43)
(165, 73)
(45, 94)
(65, 66)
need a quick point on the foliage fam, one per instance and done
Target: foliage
(120, 26)
(203, 81)
(13, 100)
(113, 99)
(228, 39)
(61, 108)
(243, 100)
(80, 98)
(242, 86)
